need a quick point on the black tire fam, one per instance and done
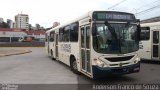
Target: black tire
(73, 66)
(52, 55)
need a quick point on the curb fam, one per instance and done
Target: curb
(18, 53)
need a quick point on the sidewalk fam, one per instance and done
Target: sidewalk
(9, 52)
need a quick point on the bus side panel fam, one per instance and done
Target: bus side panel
(145, 49)
(75, 52)
(64, 52)
(66, 49)
(46, 47)
(60, 54)
(47, 44)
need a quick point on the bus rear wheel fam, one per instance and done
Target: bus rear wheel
(73, 66)
(52, 55)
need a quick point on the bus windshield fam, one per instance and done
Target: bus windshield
(115, 38)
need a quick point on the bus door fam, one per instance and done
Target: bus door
(48, 49)
(155, 45)
(85, 48)
(56, 45)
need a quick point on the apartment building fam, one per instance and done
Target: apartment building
(22, 21)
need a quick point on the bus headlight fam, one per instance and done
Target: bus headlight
(100, 63)
(137, 60)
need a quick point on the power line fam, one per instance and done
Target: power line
(146, 5)
(149, 9)
(116, 4)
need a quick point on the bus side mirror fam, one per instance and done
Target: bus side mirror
(138, 30)
(139, 33)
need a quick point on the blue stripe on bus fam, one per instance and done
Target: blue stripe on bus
(107, 71)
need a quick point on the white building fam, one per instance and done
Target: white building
(22, 21)
(38, 35)
(11, 35)
(10, 23)
(14, 35)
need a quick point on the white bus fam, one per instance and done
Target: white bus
(99, 44)
(150, 41)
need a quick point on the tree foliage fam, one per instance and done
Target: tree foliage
(4, 25)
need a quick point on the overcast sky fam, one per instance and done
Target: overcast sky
(45, 12)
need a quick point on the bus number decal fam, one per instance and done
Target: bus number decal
(66, 47)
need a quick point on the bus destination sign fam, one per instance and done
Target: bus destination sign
(113, 16)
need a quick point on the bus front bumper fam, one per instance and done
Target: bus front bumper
(99, 72)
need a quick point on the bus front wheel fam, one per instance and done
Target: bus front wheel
(73, 66)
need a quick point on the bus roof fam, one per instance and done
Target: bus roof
(151, 24)
(88, 14)
(75, 20)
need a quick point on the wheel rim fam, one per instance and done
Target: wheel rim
(74, 65)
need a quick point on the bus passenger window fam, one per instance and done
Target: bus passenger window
(145, 33)
(60, 35)
(66, 34)
(155, 37)
(74, 32)
(52, 37)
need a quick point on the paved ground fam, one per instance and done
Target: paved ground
(12, 51)
(37, 68)
(34, 68)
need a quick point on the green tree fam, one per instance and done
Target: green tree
(4, 25)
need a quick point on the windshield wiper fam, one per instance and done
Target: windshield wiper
(112, 31)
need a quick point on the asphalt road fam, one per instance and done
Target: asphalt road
(37, 68)
(34, 68)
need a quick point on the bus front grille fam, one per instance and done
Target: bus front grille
(118, 59)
